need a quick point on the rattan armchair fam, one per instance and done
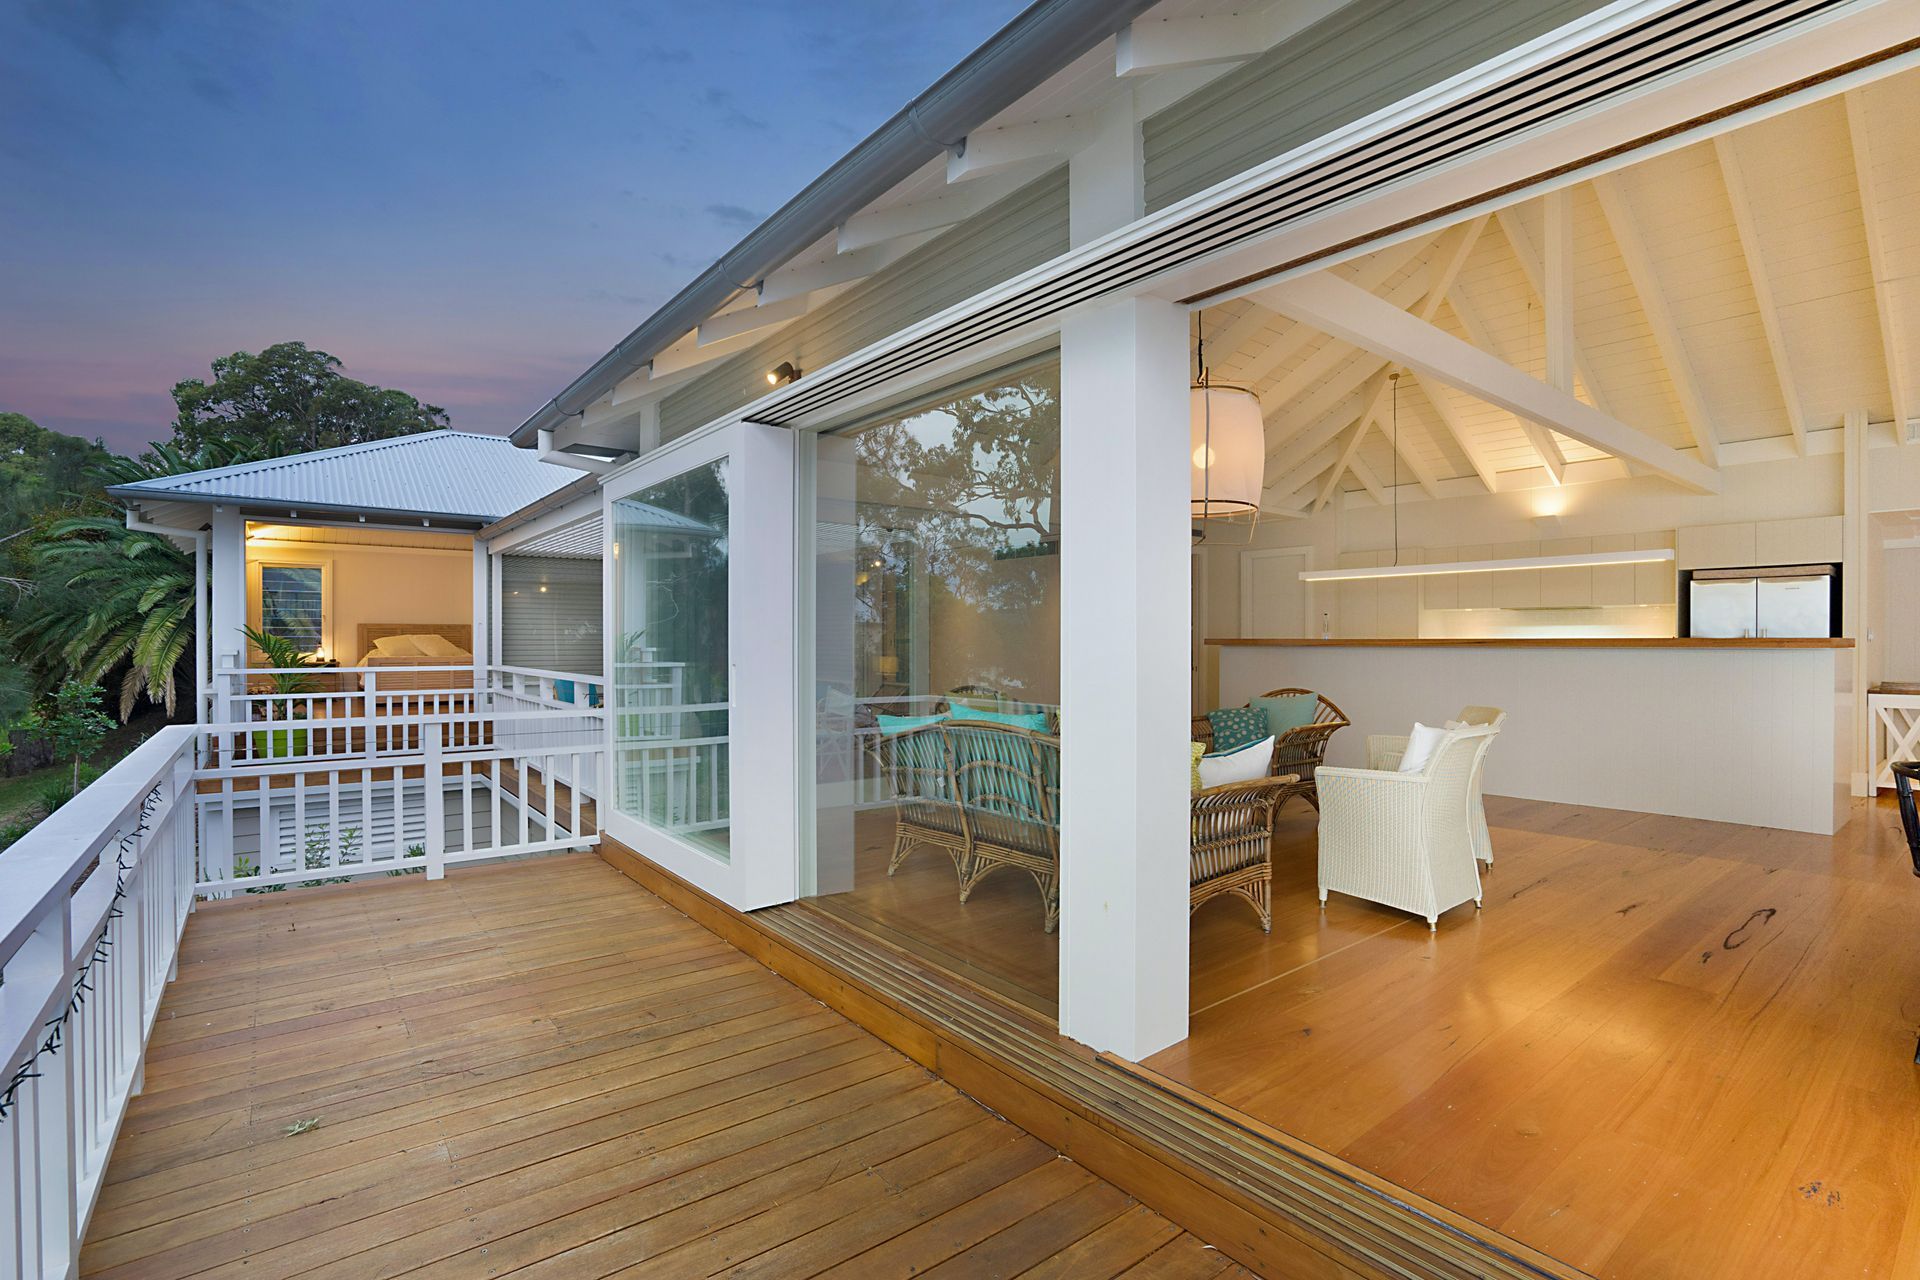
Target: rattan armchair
(1232, 842)
(1384, 751)
(1300, 751)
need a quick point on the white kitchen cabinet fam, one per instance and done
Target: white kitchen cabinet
(1440, 590)
(1654, 583)
(1808, 540)
(1399, 616)
(1715, 546)
(1566, 588)
(1613, 585)
(1476, 589)
(1359, 599)
(1516, 588)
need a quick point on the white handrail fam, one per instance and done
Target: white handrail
(92, 904)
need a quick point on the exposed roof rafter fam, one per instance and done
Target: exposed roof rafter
(1762, 278)
(1359, 317)
(1892, 330)
(1653, 301)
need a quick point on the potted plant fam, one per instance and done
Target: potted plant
(288, 680)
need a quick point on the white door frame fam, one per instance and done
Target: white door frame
(1246, 587)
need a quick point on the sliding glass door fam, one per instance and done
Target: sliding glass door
(936, 667)
(698, 556)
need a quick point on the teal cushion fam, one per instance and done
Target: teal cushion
(1236, 727)
(1035, 722)
(900, 724)
(1289, 711)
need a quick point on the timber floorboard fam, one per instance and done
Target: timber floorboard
(1666, 1048)
(538, 1068)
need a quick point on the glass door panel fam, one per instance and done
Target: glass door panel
(671, 679)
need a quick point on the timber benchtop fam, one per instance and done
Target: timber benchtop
(1541, 642)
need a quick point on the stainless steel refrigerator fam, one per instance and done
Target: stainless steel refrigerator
(1777, 603)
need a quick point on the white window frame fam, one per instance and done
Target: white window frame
(762, 867)
(257, 598)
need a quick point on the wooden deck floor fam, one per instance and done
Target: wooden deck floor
(538, 1069)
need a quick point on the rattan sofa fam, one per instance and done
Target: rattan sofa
(988, 796)
(1300, 751)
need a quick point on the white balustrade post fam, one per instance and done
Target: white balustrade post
(370, 686)
(56, 1119)
(435, 803)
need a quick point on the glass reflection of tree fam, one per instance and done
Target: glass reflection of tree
(686, 586)
(969, 490)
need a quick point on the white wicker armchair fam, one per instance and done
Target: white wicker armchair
(1405, 839)
(1384, 751)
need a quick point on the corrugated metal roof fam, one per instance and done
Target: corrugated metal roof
(453, 474)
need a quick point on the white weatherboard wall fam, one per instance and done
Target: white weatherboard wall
(1756, 736)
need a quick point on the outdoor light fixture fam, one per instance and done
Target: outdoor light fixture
(1228, 437)
(783, 373)
(1584, 560)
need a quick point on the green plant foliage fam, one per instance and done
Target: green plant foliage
(290, 398)
(74, 725)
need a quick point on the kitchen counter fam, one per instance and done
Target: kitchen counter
(1756, 731)
(1543, 642)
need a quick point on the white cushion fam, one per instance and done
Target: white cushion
(1421, 744)
(1244, 765)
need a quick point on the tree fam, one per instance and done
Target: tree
(74, 724)
(290, 398)
(109, 599)
(42, 470)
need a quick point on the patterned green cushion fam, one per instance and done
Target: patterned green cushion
(1236, 727)
(1289, 711)
(1199, 749)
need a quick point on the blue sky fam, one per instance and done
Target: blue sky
(466, 200)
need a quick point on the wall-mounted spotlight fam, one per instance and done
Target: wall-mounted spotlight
(783, 373)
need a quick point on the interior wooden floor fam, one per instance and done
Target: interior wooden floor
(1666, 1048)
(539, 1069)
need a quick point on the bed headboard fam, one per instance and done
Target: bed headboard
(460, 633)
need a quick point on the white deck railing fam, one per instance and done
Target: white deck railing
(92, 903)
(94, 899)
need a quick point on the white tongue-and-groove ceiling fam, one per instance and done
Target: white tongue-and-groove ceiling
(1754, 287)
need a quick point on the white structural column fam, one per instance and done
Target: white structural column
(1124, 638)
(482, 646)
(227, 556)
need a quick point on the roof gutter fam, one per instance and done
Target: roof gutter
(1037, 43)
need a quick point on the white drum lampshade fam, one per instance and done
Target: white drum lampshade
(1229, 452)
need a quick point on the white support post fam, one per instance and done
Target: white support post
(1124, 636)
(435, 800)
(482, 646)
(228, 570)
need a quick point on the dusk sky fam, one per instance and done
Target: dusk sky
(468, 201)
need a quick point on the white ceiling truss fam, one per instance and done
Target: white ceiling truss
(1729, 299)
